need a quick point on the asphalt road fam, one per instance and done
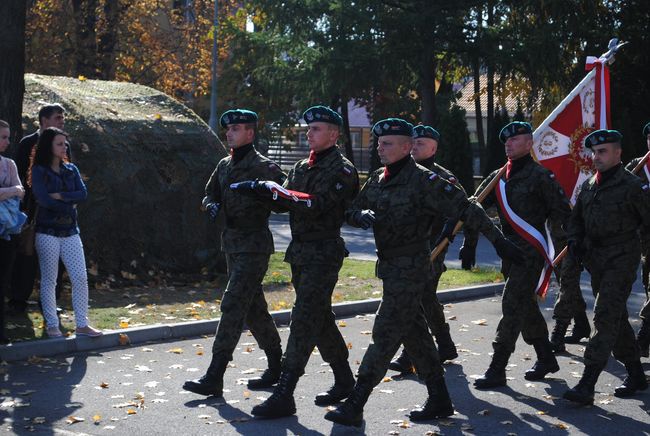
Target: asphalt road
(147, 380)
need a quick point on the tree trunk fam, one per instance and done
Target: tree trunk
(107, 39)
(490, 76)
(347, 141)
(12, 64)
(427, 88)
(477, 109)
(85, 18)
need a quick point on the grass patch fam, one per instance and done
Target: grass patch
(118, 308)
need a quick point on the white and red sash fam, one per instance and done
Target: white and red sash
(543, 245)
(646, 169)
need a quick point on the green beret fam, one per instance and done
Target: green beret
(421, 131)
(238, 116)
(646, 130)
(513, 129)
(322, 114)
(603, 136)
(393, 126)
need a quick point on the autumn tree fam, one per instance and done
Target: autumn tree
(12, 63)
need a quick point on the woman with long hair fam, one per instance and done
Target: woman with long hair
(58, 188)
(11, 191)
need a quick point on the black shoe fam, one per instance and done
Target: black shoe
(271, 375)
(583, 393)
(581, 329)
(557, 336)
(446, 347)
(351, 411)
(643, 338)
(402, 364)
(495, 375)
(635, 381)
(281, 402)
(212, 382)
(438, 404)
(546, 361)
(342, 388)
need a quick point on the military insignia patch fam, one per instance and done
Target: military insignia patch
(644, 187)
(309, 116)
(453, 180)
(347, 171)
(433, 176)
(448, 188)
(552, 176)
(338, 186)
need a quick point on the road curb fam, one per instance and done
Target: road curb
(138, 335)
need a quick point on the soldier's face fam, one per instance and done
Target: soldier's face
(321, 136)
(424, 148)
(518, 146)
(4, 139)
(55, 120)
(238, 135)
(392, 148)
(605, 156)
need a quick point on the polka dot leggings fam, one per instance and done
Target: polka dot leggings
(71, 251)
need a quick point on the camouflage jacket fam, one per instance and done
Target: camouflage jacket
(247, 216)
(406, 205)
(645, 231)
(534, 195)
(332, 183)
(611, 213)
(439, 221)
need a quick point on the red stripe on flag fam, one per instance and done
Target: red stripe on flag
(566, 172)
(571, 117)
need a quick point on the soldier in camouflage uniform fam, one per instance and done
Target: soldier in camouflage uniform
(643, 336)
(535, 196)
(247, 243)
(603, 234)
(425, 146)
(400, 201)
(316, 255)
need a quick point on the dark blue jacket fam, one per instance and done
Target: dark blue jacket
(57, 217)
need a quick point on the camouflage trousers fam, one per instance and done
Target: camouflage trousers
(645, 275)
(569, 301)
(434, 312)
(613, 271)
(243, 301)
(520, 311)
(312, 320)
(400, 320)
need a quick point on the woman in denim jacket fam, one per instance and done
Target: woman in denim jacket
(57, 188)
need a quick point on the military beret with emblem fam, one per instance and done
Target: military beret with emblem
(421, 131)
(603, 136)
(513, 129)
(393, 126)
(646, 130)
(238, 116)
(322, 114)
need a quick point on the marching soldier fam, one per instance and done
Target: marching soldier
(400, 202)
(316, 255)
(425, 146)
(603, 234)
(643, 336)
(527, 197)
(248, 244)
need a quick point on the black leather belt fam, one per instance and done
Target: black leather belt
(316, 236)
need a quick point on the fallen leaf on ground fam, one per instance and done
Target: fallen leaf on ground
(124, 339)
(103, 385)
(97, 419)
(131, 412)
(480, 322)
(176, 351)
(74, 419)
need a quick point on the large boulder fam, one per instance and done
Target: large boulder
(145, 159)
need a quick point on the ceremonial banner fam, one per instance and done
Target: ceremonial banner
(558, 143)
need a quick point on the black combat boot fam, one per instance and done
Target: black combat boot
(342, 388)
(583, 393)
(446, 347)
(496, 374)
(546, 361)
(581, 329)
(351, 411)
(438, 404)
(212, 382)
(281, 402)
(402, 364)
(635, 381)
(557, 336)
(272, 374)
(643, 338)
